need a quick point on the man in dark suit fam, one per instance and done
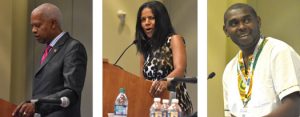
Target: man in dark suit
(62, 70)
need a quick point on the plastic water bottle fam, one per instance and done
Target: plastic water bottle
(155, 109)
(121, 104)
(164, 108)
(174, 110)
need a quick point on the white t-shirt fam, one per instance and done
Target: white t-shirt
(276, 75)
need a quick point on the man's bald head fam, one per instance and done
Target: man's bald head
(49, 12)
(46, 22)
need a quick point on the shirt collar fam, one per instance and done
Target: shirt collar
(53, 42)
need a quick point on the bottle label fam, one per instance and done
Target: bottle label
(120, 110)
(174, 114)
(164, 113)
(156, 114)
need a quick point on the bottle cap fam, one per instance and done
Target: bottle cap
(122, 90)
(165, 101)
(174, 100)
(157, 99)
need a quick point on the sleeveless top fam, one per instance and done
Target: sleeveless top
(158, 65)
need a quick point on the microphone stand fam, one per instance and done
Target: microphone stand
(124, 52)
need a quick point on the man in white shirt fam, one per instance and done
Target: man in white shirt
(263, 79)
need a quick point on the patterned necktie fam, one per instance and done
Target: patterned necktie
(45, 54)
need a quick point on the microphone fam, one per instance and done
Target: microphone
(180, 79)
(125, 51)
(174, 81)
(211, 75)
(186, 80)
(63, 101)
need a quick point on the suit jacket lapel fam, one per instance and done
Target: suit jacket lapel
(53, 51)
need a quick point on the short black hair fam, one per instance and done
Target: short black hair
(163, 28)
(240, 6)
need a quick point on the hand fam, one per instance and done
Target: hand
(25, 109)
(157, 88)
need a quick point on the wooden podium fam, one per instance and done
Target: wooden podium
(6, 108)
(136, 89)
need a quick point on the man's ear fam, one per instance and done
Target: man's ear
(225, 30)
(259, 21)
(53, 23)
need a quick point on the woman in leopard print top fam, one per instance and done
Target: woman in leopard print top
(162, 52)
